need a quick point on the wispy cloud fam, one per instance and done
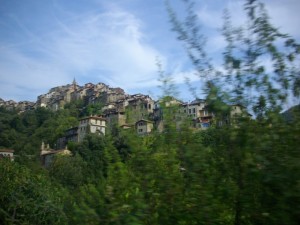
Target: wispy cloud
(108, 44)
(100, 46)
(283, 15)
(286, 17)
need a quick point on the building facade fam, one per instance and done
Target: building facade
(144, 127)
(91, 125)
(7, 153)
(47, 154)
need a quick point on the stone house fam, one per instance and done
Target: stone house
(42, 100)
(237, 111)
(194, 108)
(67, 95)
(71, 134)
(109, 106)
(25, 105)
(111, 96)
(205, 119)
(47, 154)
(91, 125)
(10, 105)
(138, 107)
(168, 106)
(232, 115)
(144, 127)
(114, 117)
(120, 105)
(90, 95)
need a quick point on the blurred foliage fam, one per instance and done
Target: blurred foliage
(242, 173)
(29, 198)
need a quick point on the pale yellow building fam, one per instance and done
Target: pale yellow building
(91, 125)
(144, 127)
(238, 111)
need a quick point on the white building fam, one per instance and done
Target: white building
(91, 125)
(7, 153)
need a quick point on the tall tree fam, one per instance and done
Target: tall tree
(245, 159)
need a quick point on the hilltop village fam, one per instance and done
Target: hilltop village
(138, 111)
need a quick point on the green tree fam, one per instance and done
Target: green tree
(68, 170)
(28, 198)
(247, 47)
(250, 45)
(248, 163)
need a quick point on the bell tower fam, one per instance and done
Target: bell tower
(74, 83)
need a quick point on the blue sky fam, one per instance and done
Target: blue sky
(46, 43)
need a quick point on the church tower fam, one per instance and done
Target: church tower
(74, 84)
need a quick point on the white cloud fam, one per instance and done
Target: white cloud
(210, 16)
(108, 46)
(110, 42)
(285, 15)
(112, 46)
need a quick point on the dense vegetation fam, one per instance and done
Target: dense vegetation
(222, 175)
(242, 173)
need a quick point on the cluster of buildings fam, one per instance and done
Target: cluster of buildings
(57, 97)
(90, 93)
(126, 112)
(21, 106)
(144, 115)
(118, 109)
(137, 112)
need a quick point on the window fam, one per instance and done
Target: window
(194, 110)
(140, 130)
(190, 111)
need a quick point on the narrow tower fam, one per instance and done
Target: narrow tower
(74, 84)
